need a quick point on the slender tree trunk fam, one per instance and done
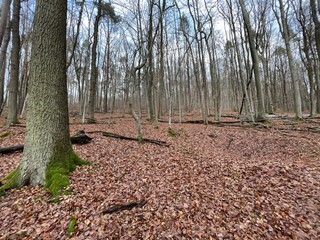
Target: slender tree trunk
(5, 13)
(316, 23)
(150, 63)
(75, 41)
(94, 71)
(108, 68)
(255, 62)
(3, 61)
(15, 65)
(292, 67)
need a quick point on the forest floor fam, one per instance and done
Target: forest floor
(212, 182)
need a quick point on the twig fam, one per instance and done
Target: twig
(124, 206)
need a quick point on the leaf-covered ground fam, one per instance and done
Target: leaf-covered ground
(211, 183)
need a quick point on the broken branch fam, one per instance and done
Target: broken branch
(124, 206)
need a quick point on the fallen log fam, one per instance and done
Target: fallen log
(11, 149)
(209, 122)
(305, 129)
(124, 206)
(114, 135)
(80, 138)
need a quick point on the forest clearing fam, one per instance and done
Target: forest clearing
(211, 182)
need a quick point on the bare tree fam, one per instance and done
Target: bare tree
(5, 13)
(255, 62)
(284, 29)
(15, 66)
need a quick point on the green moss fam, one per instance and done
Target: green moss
(72, 225)
(55, 199)
(10, 174)
(140, 140)
(297, 119)
(58, 169)
(11, 181)
(68, 191)
(4, 134)
(171, 132)
(62, 162)
(16, 121)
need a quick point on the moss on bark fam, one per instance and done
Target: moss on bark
(56, 173)
(11, 181)
(58, 168)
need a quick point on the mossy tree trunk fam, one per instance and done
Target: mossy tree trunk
(48, 156)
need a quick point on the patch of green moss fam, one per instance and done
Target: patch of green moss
(10, 174)
(72, 225)
(55, 199)
(16, 121)
(140, 140)
(4, 134)
(58, 169)
(68, 191)
(11, 181)
(171, 132)
(298, 119)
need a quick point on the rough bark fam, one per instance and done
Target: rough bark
(48, 156)
(15, 66)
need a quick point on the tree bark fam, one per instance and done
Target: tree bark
(255, 62)
(316, 23)
(5, 12)
(150, 64)
(48, 156)
(94, 72)
(15, 66)
(3, 60)
(295, 83)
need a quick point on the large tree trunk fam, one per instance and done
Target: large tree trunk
(48, 156)
(15, 61)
